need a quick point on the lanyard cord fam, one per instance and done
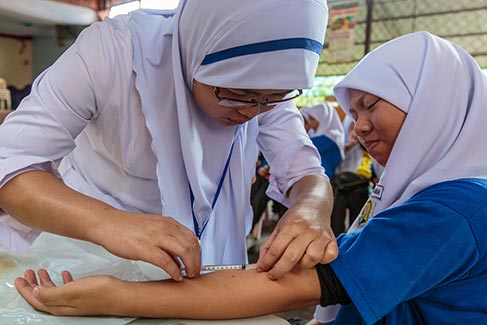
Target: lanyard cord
(197, 229)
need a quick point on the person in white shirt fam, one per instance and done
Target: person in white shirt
(142, 138)
(325, 129)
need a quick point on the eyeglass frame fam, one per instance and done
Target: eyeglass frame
(254, 101)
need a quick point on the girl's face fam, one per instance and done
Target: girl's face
(377, 123)
(206, 98)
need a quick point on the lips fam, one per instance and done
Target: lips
(240, 120)
(370, 145)
(235, 122)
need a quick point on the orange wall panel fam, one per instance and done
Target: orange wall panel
(94, 4)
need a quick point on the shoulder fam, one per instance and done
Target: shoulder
(467, 184)
(457, 204)
(466, 196)
(105, 38)
(105, 49)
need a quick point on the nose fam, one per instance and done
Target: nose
(251, 111)
(362, 127)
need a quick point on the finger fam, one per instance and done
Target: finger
(30, 277)
(181, 246)
(26, 290)
(314, 253)
(44, 278)
(167, 262)
(190, 256)
(67, 277)
(331, 252)
(275, 250)
(57, 296)
(264, 248)
(289, 259)
(192, 264)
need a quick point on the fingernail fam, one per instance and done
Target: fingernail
(271, 277)
(35, 292)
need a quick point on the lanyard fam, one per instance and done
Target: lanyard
(197, 229)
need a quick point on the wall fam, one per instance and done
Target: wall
(460, 21)
(46, 49)
(16, 60)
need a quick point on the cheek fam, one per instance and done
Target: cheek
(394, 127)
(209, 105)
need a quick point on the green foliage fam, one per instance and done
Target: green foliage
(323, 87)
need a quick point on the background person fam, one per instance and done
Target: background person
(325, 129)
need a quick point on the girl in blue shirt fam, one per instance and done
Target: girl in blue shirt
(416, 254)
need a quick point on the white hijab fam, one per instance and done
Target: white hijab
(254, 44)
(329, 123)
(444, 93)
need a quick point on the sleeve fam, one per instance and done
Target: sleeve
(326, 314)
(332, 291)
(63, 100)
(402, 253)
(288, 150)
(16, 241)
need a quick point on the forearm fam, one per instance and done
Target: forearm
(219, 295)
(313, 191)
(39, 200)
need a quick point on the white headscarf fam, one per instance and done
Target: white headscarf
(329, 123)
(444, 93)
(255, 44)
(347, 122)
(354, 155)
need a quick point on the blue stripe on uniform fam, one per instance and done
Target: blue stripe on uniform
(261, 47)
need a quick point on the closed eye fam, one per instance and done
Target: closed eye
(238, 94)
(373, 104)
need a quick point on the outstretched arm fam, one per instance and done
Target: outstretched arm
(218, 295)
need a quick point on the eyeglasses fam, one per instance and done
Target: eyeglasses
(267, 100)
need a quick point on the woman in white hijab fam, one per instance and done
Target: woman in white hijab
(418, 252)
(153, 121)
(326, 131)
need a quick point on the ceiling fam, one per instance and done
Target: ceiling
(39, 17)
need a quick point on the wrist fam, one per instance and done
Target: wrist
(105, 226)
(119, 300)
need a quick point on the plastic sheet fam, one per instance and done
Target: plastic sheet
(57, 254)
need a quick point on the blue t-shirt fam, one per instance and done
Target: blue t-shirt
(329, 152)
(424, 261)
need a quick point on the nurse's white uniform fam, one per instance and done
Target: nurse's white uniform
(115, 119)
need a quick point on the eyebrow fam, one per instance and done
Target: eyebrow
(362, 98)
